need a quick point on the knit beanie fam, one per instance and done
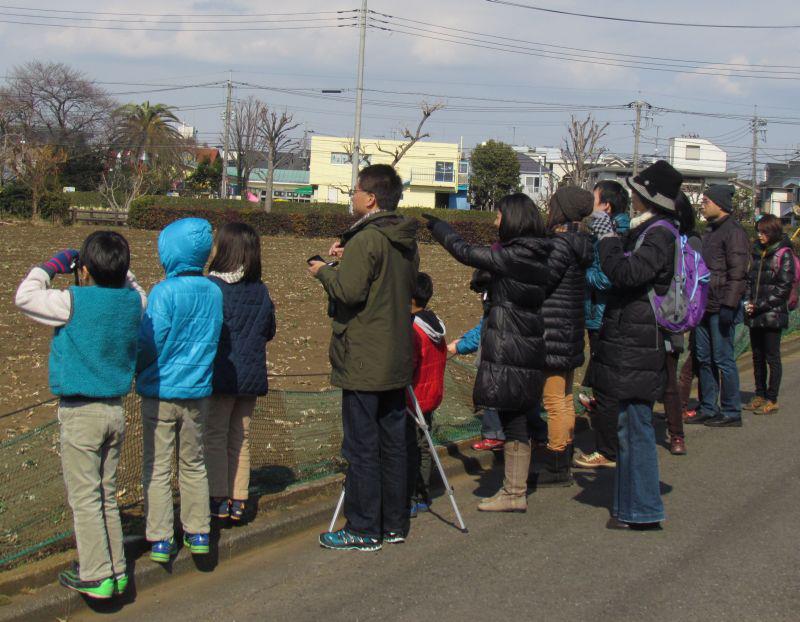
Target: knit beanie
(722, 195)
(575, 203)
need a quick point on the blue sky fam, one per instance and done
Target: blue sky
(432, 55)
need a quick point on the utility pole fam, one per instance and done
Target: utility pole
(638, 105)
(359, 96)
(226, 140)
(756, 126)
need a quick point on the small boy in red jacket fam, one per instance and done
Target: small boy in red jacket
(430, 359)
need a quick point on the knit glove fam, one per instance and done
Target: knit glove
(61, 263)
(600, 225)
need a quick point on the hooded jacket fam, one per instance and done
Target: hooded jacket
(181, 326)
(370, 293)
(563, 310)
(628, 362)
(726, 251)
(512, 339)
(769, 285)
(597, 283)
(430, 360)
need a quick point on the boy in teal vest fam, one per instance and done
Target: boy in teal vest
(92, 360)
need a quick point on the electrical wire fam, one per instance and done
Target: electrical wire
(631, 20)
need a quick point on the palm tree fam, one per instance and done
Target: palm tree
(147, 133)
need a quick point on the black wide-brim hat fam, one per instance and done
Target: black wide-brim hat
(659, 183)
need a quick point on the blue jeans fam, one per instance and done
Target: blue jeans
(714, 350)
(637, 492)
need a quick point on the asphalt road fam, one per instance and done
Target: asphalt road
(729, 550)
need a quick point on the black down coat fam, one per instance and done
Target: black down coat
(512, 340)
(563, 310)
(726, 251)
(769, 286)
(628, 362)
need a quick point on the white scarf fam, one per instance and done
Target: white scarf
(642, 218)
(230, 277)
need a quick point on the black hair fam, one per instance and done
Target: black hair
(384, 182)
(237, 245)
(107, 257)
(685, 213)
(423, 290)
(521, 217)
(614, 194)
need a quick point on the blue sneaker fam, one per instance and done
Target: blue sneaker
(197, 543)
(345, 540)
(419, 507)
(162, 550)
(412, 512)
(220, 507)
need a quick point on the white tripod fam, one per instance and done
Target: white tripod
(419, 419)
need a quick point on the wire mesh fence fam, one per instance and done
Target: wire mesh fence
(295, 437)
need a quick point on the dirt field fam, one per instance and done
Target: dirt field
(300, 346)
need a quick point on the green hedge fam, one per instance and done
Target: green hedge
(86, 199)
(296, 219)
(15, 202)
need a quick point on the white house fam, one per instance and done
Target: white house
(697, 154)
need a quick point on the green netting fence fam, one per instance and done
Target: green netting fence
(295, 437)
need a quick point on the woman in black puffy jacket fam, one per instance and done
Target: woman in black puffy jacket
(768, 288)
(563, 312)
(512, 341)
(629, 360)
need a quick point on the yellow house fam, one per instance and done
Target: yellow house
(430, 171)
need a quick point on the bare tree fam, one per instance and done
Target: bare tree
(247, 137)
(275, 129)
(581, 149)
(411, 138)
(54, 103)
(123, 183)
(36, 168)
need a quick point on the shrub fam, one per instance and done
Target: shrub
(86, 199)
(298, 219)
(15, 201)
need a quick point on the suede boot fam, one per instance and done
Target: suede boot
(556, 469)
(512, 496)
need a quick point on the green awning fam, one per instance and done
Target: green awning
(304, 191)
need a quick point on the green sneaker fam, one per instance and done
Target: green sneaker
(197, 543)
(162, 550)
(120, 583)
(101, 589)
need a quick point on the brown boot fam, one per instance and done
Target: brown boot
(511, 497)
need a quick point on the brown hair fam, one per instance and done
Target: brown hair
(237, 245)
(771, 226)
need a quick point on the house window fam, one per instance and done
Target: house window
(537, 182)
(444, 172)
(692, 152)
(463, 167)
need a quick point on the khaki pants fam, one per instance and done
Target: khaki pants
(227, 443)
(558, 402)
(91, 439)
(165, 424)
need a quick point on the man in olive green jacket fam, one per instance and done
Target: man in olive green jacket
(371, 354)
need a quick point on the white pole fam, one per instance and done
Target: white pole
(359, 97)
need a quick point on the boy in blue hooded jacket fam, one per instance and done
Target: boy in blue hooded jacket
(177, 345)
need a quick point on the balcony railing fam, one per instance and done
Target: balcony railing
(431, 177)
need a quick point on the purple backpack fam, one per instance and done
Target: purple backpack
(683, 306)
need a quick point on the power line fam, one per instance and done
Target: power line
(644, 21)
(635, 57)
(75, 12)
(189, 20)
(580, 58)
(147, 29)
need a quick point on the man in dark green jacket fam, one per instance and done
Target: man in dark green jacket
(372, 358)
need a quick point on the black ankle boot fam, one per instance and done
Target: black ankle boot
(554, 468)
